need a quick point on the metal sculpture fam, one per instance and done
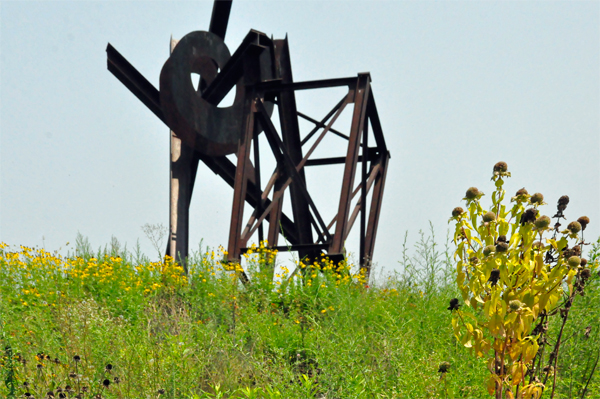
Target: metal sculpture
(260, 73)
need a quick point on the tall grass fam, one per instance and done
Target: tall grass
(114, 324)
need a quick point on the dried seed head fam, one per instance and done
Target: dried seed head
(116, 380)
(583, 221)
(62, 395)
(161, 391)
(574, 261)
(529, 216)
(454, 305)
(474, 260)
(585, 274)
(27, 395)
(574, 227)
(39, 366)
(500, 167)
(108, 367)
(501, 247)
(456, 212)
(494, 276)
(542, 222)
(489, 249)
(25, 384)
(72, 375)
(521, 192)
(444, 367)
(587, 332)
(564, 200)
(501, 239)
(472, 193)
(515, 305)
(68, 388)
(537, 198)
(576, 250)
(76, 358)
(583, 262)
(489, 217)
(106, 382)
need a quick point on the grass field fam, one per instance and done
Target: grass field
(112, 323)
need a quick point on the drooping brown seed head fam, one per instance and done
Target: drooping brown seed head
(454, 305)
(562, 203)
(529, 216)
(537, 198)
(583, 221)
(474, 260)
(501, 239)
(576, 250)
(585, 274)
(456, 212)
(489, 217)
(76, 358)
(106, 382)
(564, 200)
(161, 391)
(494, 276)
(472, 193)
(583, 262)
(501, 247)
(542, 222)
(488, 250)
(574, 261)
(500, 167)
(444, 367)
(574, 227)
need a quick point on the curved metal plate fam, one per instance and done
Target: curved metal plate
(209, 129)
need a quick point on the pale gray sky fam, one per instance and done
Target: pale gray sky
(459, 86)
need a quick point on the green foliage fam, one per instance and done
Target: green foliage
(206, 335)
(513, 270)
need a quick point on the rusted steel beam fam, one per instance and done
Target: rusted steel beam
(363, 194)
(220, 17)
(290, 134)
(356, 130)
(284, 158)
(371, 231)
(321, 125)
(372, 154)
(252, 46)
(278, 86)
(134, 81)
(376, 124)
(332, 112)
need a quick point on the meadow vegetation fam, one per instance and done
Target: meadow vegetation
(112, 324)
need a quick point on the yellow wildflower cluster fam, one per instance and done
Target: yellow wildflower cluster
(44, 277)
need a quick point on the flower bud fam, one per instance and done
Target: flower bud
(521, 192)
(501, 247)
(574, 227)
(515, 305)
(489, 217)
(542, 222)
(537, 198)
(472, 193)
(489, 249)
(456, 212)
(574, 261)
(529, 216)
(583, 221)
(500, 167)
